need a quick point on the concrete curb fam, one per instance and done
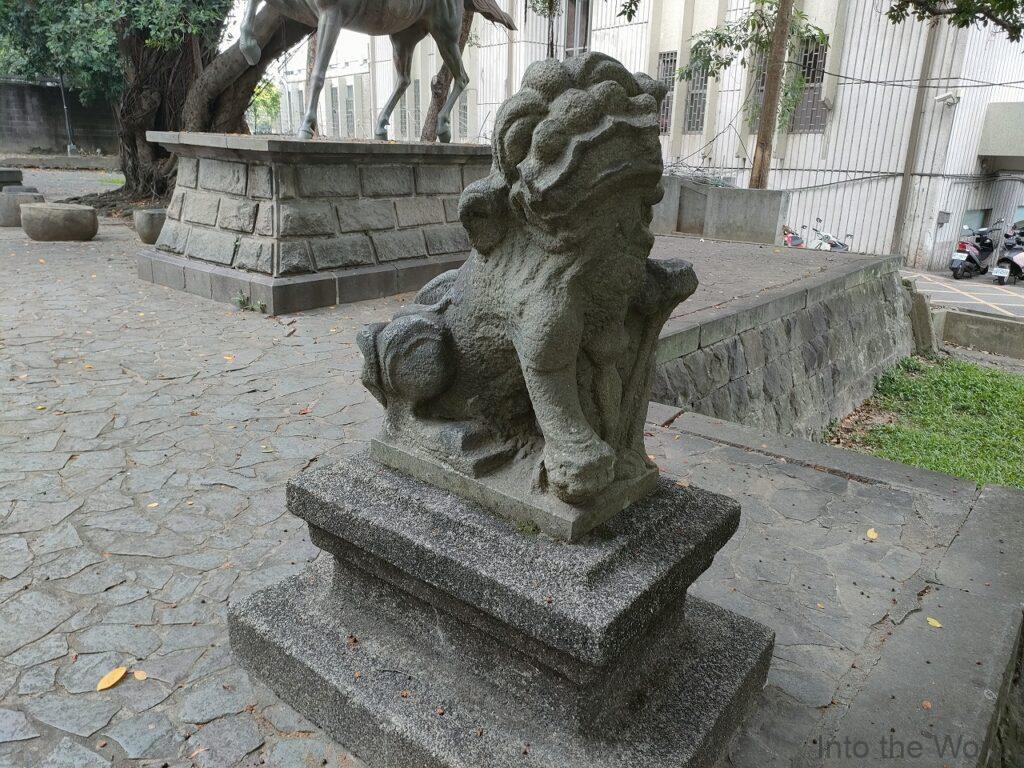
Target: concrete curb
(981, 330)
(61, 162)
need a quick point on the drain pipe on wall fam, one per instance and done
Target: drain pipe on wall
(910, 160)
(72, 149)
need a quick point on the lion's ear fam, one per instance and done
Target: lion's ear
(484, 212)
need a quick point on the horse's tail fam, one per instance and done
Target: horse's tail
(489, 10)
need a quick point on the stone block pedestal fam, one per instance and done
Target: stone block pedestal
(440, 635)
(302, 224)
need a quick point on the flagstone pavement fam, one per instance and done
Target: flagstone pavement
(146, 436)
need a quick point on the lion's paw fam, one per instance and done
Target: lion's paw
(577, 475)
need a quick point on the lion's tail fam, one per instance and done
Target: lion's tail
(489, 10)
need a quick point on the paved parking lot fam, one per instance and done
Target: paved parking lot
(979, 293)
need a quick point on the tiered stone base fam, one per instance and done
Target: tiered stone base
(440, 635)
(300, 224)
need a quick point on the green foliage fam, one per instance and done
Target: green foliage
(547, 9)
(81, 38)
(953, 417)
(265, 105)
(246, 304)
(748, 40)
(1008, 15)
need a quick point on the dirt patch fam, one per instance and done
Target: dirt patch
(116, 204)
(849, 433)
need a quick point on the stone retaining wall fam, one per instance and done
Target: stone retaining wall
(795, 360)
(353, 220)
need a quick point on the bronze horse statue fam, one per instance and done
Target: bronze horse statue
(407, 22)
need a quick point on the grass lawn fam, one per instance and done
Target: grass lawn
(951, 416)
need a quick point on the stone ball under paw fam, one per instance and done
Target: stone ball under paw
(416, 359)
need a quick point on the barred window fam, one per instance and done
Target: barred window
(667, 75)
(577, 27)
(335, 117)
(696, 101)
(350, 110)
(810, 114)
(417, 117)
(463, 115)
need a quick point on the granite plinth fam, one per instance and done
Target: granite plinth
(583, 604)
(386, 675)
(440, 634)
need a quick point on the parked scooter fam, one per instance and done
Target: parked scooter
(823, 241)
(972, 259)
(790, 238)
(1010, 265)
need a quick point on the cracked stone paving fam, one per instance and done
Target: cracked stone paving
(146, 437)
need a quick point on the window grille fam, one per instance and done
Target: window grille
(810, 114)
(577, 27)
(350, 110)
(696, 101)
(417, 117)
(464, 115)
(335, 117)
(667, 74)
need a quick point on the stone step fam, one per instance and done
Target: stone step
(388, 677)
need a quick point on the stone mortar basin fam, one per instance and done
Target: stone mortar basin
(59, 221)
(148, 223)
(11, 204)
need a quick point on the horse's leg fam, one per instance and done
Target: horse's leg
(403, 45)
(327, 37)
(448, 46)
(246, 39)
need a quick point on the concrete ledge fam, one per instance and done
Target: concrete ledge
(981, 330)
(64, 162)
(283, 295)
(289, 149)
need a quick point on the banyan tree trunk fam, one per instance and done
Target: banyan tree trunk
(192, 88)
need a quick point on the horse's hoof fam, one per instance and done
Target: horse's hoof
(304, 133)
(445, 136)
(381, 135)
(251, 52)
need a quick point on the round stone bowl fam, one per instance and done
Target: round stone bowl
(59, 221)
(11, 204)
(148, 223)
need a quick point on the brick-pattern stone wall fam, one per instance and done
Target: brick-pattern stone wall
(795, 373)
(284, 218)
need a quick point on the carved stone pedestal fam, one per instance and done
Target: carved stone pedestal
(440, 635)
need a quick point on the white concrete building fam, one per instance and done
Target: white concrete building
(887, 144)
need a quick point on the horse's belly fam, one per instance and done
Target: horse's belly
(303, 11)
(386, 17)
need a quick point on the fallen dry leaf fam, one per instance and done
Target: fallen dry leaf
(934, 623)
(112, 678)
(683, 483)
(153, 504)
(138, 674)
(926, 704)
(872, 534)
